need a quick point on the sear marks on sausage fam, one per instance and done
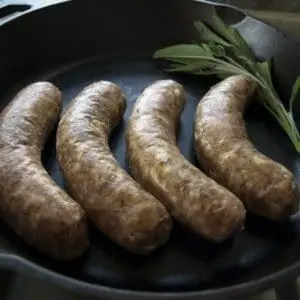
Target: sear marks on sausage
(227, 155)
(155, 161)
(37, 209)
(117, 205)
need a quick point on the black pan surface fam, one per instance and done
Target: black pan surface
(188, 266)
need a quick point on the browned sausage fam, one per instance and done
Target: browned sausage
(31, 203)
(118, 206)
(227, 155)
(191, 197)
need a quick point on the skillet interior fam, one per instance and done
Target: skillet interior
(62, 53)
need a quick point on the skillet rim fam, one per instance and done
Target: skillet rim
(14, 262)
(18, 263)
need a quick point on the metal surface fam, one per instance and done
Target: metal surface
(283, 15)
(25, 288)
(75, 43)
(10, 9)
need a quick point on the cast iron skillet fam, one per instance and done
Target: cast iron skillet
(77, 42)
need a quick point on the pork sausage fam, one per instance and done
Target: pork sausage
(31, 203)
(117, 204)
(228, 156)
(192, 198)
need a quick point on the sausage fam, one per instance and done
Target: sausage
(116, 204)
(195, 200)
(36, 208)
(227, 155)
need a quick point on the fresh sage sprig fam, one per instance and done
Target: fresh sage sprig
(223, 52)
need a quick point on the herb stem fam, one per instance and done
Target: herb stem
(285, 121)
(225, 53)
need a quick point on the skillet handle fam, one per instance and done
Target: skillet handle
(284, 19)
(10, 9)
(231, 15)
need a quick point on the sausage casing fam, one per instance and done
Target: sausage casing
(117, 205)
(31, 203)
(228, 156)
(190, 196)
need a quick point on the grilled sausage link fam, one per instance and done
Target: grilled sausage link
(37, 209)
(228, 156)
(191, 197)
(117, 205)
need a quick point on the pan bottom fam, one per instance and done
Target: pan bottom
(187, 263)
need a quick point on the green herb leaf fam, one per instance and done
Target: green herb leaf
(184, 53)
(203, 67)
(295, 93)
(193, 69)
(232, 36)
(226, 53)
(264, 68)
(208, 35)
(217, 50)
